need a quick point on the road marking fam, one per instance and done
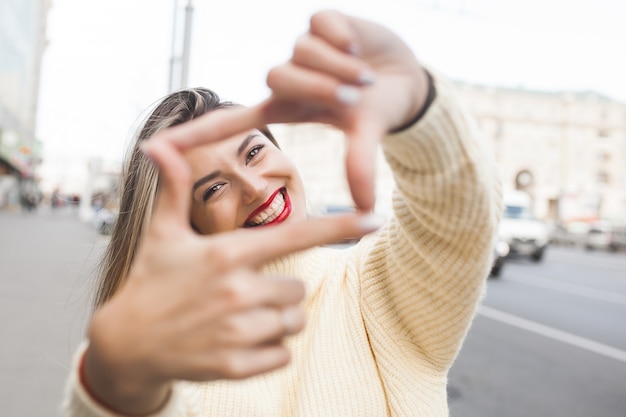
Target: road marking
(552, 333)
(579, 290)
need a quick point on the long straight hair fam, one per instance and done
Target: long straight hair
(140, 185)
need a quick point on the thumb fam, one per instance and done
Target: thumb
(361, 163)
(172, 202)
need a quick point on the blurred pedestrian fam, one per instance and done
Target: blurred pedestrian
(29, 200)
(56, 201)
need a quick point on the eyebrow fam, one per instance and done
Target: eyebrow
(205, 179)
(216, 174)
(245, 143)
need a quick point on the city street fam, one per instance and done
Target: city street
(46, 268)
(549, 340)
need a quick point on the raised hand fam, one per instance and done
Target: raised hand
(345, 71)
(355, 75)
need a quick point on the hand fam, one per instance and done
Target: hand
(345, 71)
(355, 75)
(196, 307)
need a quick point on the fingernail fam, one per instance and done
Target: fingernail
(371, 222)
(353, 49)
(367, 77)
(348, 94)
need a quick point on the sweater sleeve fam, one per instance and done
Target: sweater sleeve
(79, 403)
(424, 273)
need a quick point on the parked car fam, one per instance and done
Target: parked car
(603, 235)
(525, 235)
(500, 253)
(570, 234)
(330, 210)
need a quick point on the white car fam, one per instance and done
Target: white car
(603, 235)
(525, 235)
(500, 253)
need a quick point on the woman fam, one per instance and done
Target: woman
(384, 319)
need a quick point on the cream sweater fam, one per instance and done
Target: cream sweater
(386, 317)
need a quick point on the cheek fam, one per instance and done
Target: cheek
(214, 218)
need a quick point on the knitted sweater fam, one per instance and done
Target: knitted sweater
(386, 317)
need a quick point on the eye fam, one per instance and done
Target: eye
(253, 152)
(210, 191)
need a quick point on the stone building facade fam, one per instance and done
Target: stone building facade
(566, 149)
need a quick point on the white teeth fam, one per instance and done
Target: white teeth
(273, 211)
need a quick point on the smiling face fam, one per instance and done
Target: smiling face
(243, 181)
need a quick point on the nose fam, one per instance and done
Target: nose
(253, 187)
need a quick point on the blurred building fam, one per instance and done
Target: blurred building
(22, 43)
(567, 150)
(319, 153)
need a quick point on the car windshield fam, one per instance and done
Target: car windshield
(517, 212)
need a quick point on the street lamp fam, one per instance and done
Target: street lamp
(183, 59)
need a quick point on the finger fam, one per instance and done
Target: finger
(293, 83)
(244, 363)
(335, 28)
(250, 246)
(211, 127)
(243, 290)
(172, 201)
(260, 326)
(313, 53)
(361, 163)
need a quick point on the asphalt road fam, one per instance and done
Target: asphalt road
(550, 339)
(46, 264)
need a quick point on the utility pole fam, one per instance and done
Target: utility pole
(186, 45)
(170, 85)
(179, 63)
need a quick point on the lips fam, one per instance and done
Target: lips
(274, 211)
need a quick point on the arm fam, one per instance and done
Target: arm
(432, 260)
(79, 400)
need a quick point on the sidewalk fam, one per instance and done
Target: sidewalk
(47, 264)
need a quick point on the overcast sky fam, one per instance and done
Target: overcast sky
(107, 61)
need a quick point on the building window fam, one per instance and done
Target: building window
(603, 133)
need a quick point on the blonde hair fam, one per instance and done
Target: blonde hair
(140, 184)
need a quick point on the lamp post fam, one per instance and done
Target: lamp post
(184, 68)
(179, 64)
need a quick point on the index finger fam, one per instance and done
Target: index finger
(334, 27)
(258, 246)
(213, 126)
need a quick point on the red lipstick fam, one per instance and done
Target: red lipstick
(282, 216)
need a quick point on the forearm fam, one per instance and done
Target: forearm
(123, 395)
(79, 400)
